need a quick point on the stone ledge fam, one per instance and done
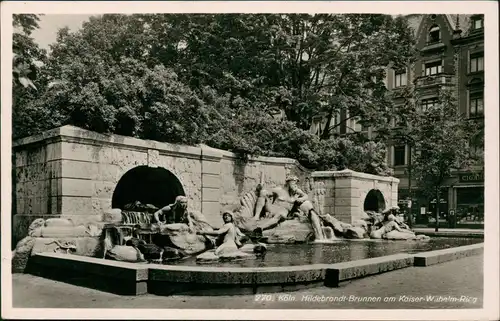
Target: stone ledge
(209, 153)
(193, 289)
(47, 135)
(237, 276)
(468, 234)
(194, 280)
(353, 174)
(441, 256)
(119, 270)
(105, 275)
(75, 134)
(255, 159)
(339, 272)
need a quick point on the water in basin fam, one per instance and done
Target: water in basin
(339, 251)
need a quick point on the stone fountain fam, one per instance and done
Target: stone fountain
(119, 225)
(85, 181)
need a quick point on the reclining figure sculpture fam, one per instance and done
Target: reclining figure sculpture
(187, 231)
(60, 235)
(230, 243)
(265, 209)
(386, 225)
(392, 227)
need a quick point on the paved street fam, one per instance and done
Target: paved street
(450, 232)
(464, 231)
(458, 278)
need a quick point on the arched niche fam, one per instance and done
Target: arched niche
(149, 185)
(374, 201)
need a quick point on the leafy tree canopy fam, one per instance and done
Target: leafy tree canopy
(442, 139)
(27, 72)
(219, 79)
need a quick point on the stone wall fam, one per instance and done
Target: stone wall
(71, 172)
(343, 193)
(36, 176)
(238, 177)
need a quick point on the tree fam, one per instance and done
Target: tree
(441, 136)
(27, 75)
(303, 64)
(402, 132)
(218, 79)
(28, 57)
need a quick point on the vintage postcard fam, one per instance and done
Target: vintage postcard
(250, 160)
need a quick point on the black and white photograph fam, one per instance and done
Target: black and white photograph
(260, 160)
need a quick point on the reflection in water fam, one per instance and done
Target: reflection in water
(361, 251)
(339, 251)
(316, 254)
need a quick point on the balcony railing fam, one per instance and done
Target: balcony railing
(398, 92)
(433, 45)
(434, 80)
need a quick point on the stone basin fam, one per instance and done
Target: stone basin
(140, 278)
(338, 251)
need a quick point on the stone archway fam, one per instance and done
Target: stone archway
(149, 185)
(374, 201)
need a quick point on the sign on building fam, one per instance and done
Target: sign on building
(471, 177)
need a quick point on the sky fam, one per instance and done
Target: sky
(50, 24)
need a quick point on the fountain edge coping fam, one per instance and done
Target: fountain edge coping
(201, 150)
(353, 174)
(446, 255)
(330, 274)
(116, 269)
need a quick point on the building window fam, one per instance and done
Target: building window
(396, 121)
(477, 23)
(365, 130)
(353, 125)
(476, 105)
(476, 148)
(433, 68)
(470, 204)
(434, 34)
(425, 104)
(476, 62)
(399, 155)
(400, 78)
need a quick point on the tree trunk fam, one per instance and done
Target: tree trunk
(326, 131)
(437, 210)
(410, 214)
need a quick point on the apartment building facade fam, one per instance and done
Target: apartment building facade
(451, 54)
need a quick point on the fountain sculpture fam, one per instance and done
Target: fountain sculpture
(144, 233)
(175, 227)
(263, 210)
